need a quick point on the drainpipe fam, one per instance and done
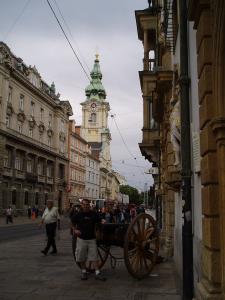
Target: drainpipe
(187, 238)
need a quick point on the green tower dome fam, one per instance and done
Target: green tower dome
(95, 90)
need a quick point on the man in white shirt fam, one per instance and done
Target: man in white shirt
(8, 214)
(50, 218)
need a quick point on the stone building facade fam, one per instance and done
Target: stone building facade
(209, 23)
(179, 36)
(78, 149)
(33, 137)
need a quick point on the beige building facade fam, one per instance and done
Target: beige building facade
(183, 72)
(33, 137)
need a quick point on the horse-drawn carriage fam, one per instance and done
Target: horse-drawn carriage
(139, 240)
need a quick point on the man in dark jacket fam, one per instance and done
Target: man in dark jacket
(84, 223)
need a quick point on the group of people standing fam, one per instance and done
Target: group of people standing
(121, 213)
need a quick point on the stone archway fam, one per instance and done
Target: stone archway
(218, 123)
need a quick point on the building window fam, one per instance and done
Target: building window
(61, 149)
(61, 171)
(41, 138)
(50, 120)
(62, 126)
(41, 114)
(18, 163)
(8, 159)
(26, 198)
(93, 117)
(14, 197)
(40, 167)
(20, 127)
(7, 121)
(50, 170)
(9, 99)
(31, 133)
(29, 166)
(36, 198)
(21, 102)
(32, 105)
(49, 141)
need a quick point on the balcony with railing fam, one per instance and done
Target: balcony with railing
(41, 178)
(20, 174)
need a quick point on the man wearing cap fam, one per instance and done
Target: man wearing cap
(84, 223)
(50, 218)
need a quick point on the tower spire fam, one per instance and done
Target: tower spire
(95, 90)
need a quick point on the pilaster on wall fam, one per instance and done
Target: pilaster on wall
(209, 285)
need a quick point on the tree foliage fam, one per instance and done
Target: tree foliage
(134, 195)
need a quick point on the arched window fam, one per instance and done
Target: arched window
(93, 117)
(14, 197)
(36, 198)
(46, 198)
(26, 198)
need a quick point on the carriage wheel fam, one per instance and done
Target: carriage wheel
(141, 246)
(103, 252)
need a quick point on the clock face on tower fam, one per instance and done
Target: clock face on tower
(93, 106)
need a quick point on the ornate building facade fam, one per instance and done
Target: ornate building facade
(183, 134)
(33, 137)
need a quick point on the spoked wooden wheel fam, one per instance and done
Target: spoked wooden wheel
(141, 246)
(103, 252)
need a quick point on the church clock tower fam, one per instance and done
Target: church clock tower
(95, 110)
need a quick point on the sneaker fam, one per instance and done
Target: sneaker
(44, 252)
(100, 277)
(84, 276)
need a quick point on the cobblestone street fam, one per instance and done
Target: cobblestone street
(26, 274)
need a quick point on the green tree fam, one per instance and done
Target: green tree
(134, 195)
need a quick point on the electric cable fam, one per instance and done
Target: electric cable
(65, 35)
(16, 20)
(71, 35)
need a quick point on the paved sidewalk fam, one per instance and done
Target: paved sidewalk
(18, 221)
(25, 274)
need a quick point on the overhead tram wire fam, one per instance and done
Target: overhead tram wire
(16, 20)
(71, 35)
(113, 116)
(125, 144)
(65, 35)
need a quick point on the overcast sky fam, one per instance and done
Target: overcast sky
(105, 26)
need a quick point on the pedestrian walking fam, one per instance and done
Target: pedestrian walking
(33, 213)
(36, 212)
(29, 212)
(84, 223)
(51, 220)
(8, 214)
